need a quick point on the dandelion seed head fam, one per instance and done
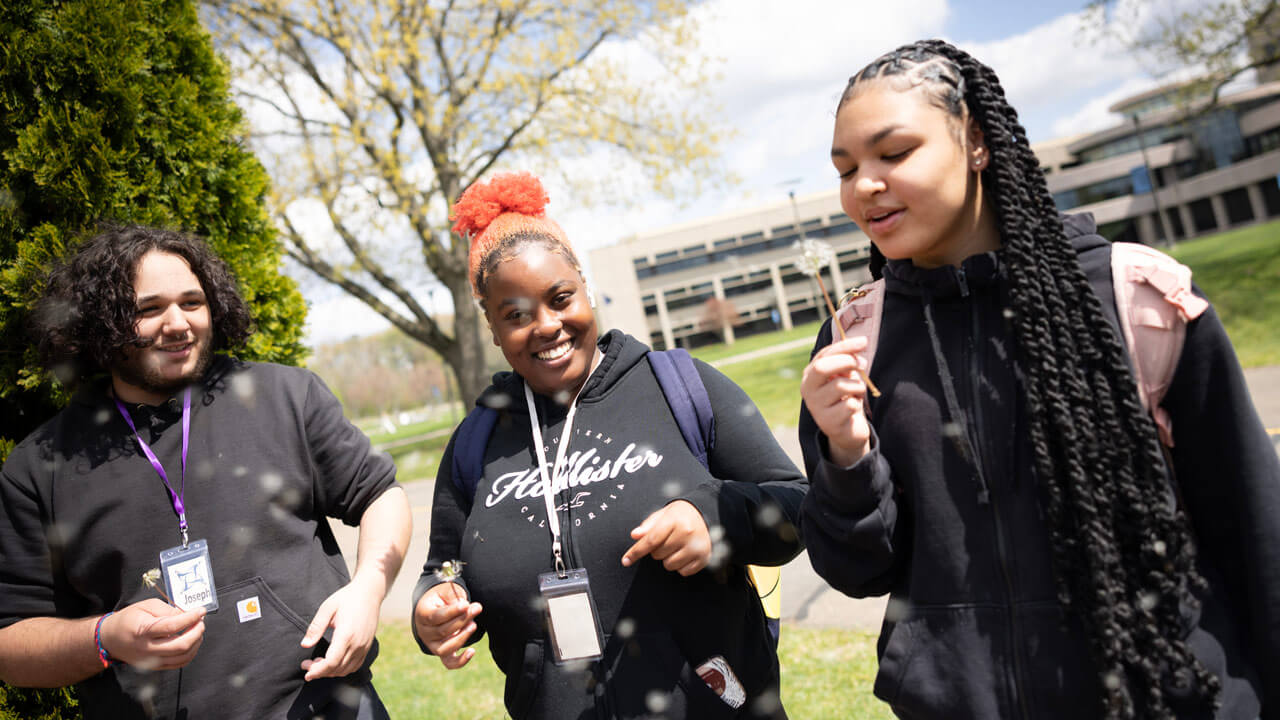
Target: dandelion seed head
(348, 696)
(896, 610)
(768, 516)
(813, 256)
(766, 703)
(497, 401)
(271, 482)
(241, 536)
(243, 388)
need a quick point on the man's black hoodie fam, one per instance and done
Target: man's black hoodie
(974, 628)
(627, 459)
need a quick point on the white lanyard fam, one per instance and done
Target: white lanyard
(548, 492)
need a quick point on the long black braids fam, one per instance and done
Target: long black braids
(1123, 552)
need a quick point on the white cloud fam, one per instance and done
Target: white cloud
(1052, 69)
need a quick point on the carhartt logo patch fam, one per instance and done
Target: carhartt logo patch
(249, 609)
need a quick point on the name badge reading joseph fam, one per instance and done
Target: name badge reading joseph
(571, 615)
(188, 576)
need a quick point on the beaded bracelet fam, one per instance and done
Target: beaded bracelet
(106, 659)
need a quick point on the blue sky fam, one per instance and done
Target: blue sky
(784, 65)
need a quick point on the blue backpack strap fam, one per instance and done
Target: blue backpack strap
(691, 405)
(678, 377)
(469, 444)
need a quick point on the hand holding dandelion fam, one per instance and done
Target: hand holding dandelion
(814, 255)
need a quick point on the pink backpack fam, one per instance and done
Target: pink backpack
(1153, 300)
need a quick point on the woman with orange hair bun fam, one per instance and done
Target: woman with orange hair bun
(572, 522)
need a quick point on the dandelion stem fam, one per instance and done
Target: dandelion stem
(875, 391)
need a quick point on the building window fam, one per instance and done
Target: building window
(1271, 195)
(1202, 215)
(1097, 192)
(1239, 209)
(1263, 142)
(1175, 222)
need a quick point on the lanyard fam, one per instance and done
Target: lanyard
(548, 491)
(179, 507)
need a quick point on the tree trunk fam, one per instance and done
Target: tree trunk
(468, 361)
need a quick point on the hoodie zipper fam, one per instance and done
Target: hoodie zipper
(979, 451)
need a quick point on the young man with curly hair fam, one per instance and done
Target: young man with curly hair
(214, 474)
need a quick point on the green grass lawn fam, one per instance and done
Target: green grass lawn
(720, 351)
(825, 674)
(773, 383)
(1240, 272)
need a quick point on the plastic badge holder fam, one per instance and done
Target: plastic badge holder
(572, 620)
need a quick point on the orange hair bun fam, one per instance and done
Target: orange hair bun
(483, 202)
(507, 204)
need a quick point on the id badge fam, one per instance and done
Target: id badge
(188, 576)
(571, 616)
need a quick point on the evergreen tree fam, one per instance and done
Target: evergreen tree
(119, 110)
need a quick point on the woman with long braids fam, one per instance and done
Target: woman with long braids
(1046, 557)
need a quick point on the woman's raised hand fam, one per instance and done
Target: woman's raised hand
(835, 394)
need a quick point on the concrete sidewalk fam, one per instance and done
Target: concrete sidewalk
(806, 598)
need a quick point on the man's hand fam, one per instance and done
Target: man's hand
(352, 612)
(153, 635)
(677, 535)
(834, 394)
(445, 621)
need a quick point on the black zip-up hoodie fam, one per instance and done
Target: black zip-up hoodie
(974, 628)
(628, 459)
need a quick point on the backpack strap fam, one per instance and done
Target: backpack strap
(682, 386)
(1154, 303)
(691, 406)
(469, 444)
(859, 315)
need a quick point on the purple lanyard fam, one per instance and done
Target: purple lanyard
(178, 506)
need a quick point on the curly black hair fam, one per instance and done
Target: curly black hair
(1124, 558)
(87, 313)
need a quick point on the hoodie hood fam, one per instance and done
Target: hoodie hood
(1082, 232)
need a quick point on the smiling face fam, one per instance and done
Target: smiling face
(173, 316)
(540, 314)
(910, 175)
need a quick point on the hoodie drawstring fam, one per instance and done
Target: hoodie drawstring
(956, 429)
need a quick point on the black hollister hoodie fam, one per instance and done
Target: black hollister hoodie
(627, 459)
(974, 628)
